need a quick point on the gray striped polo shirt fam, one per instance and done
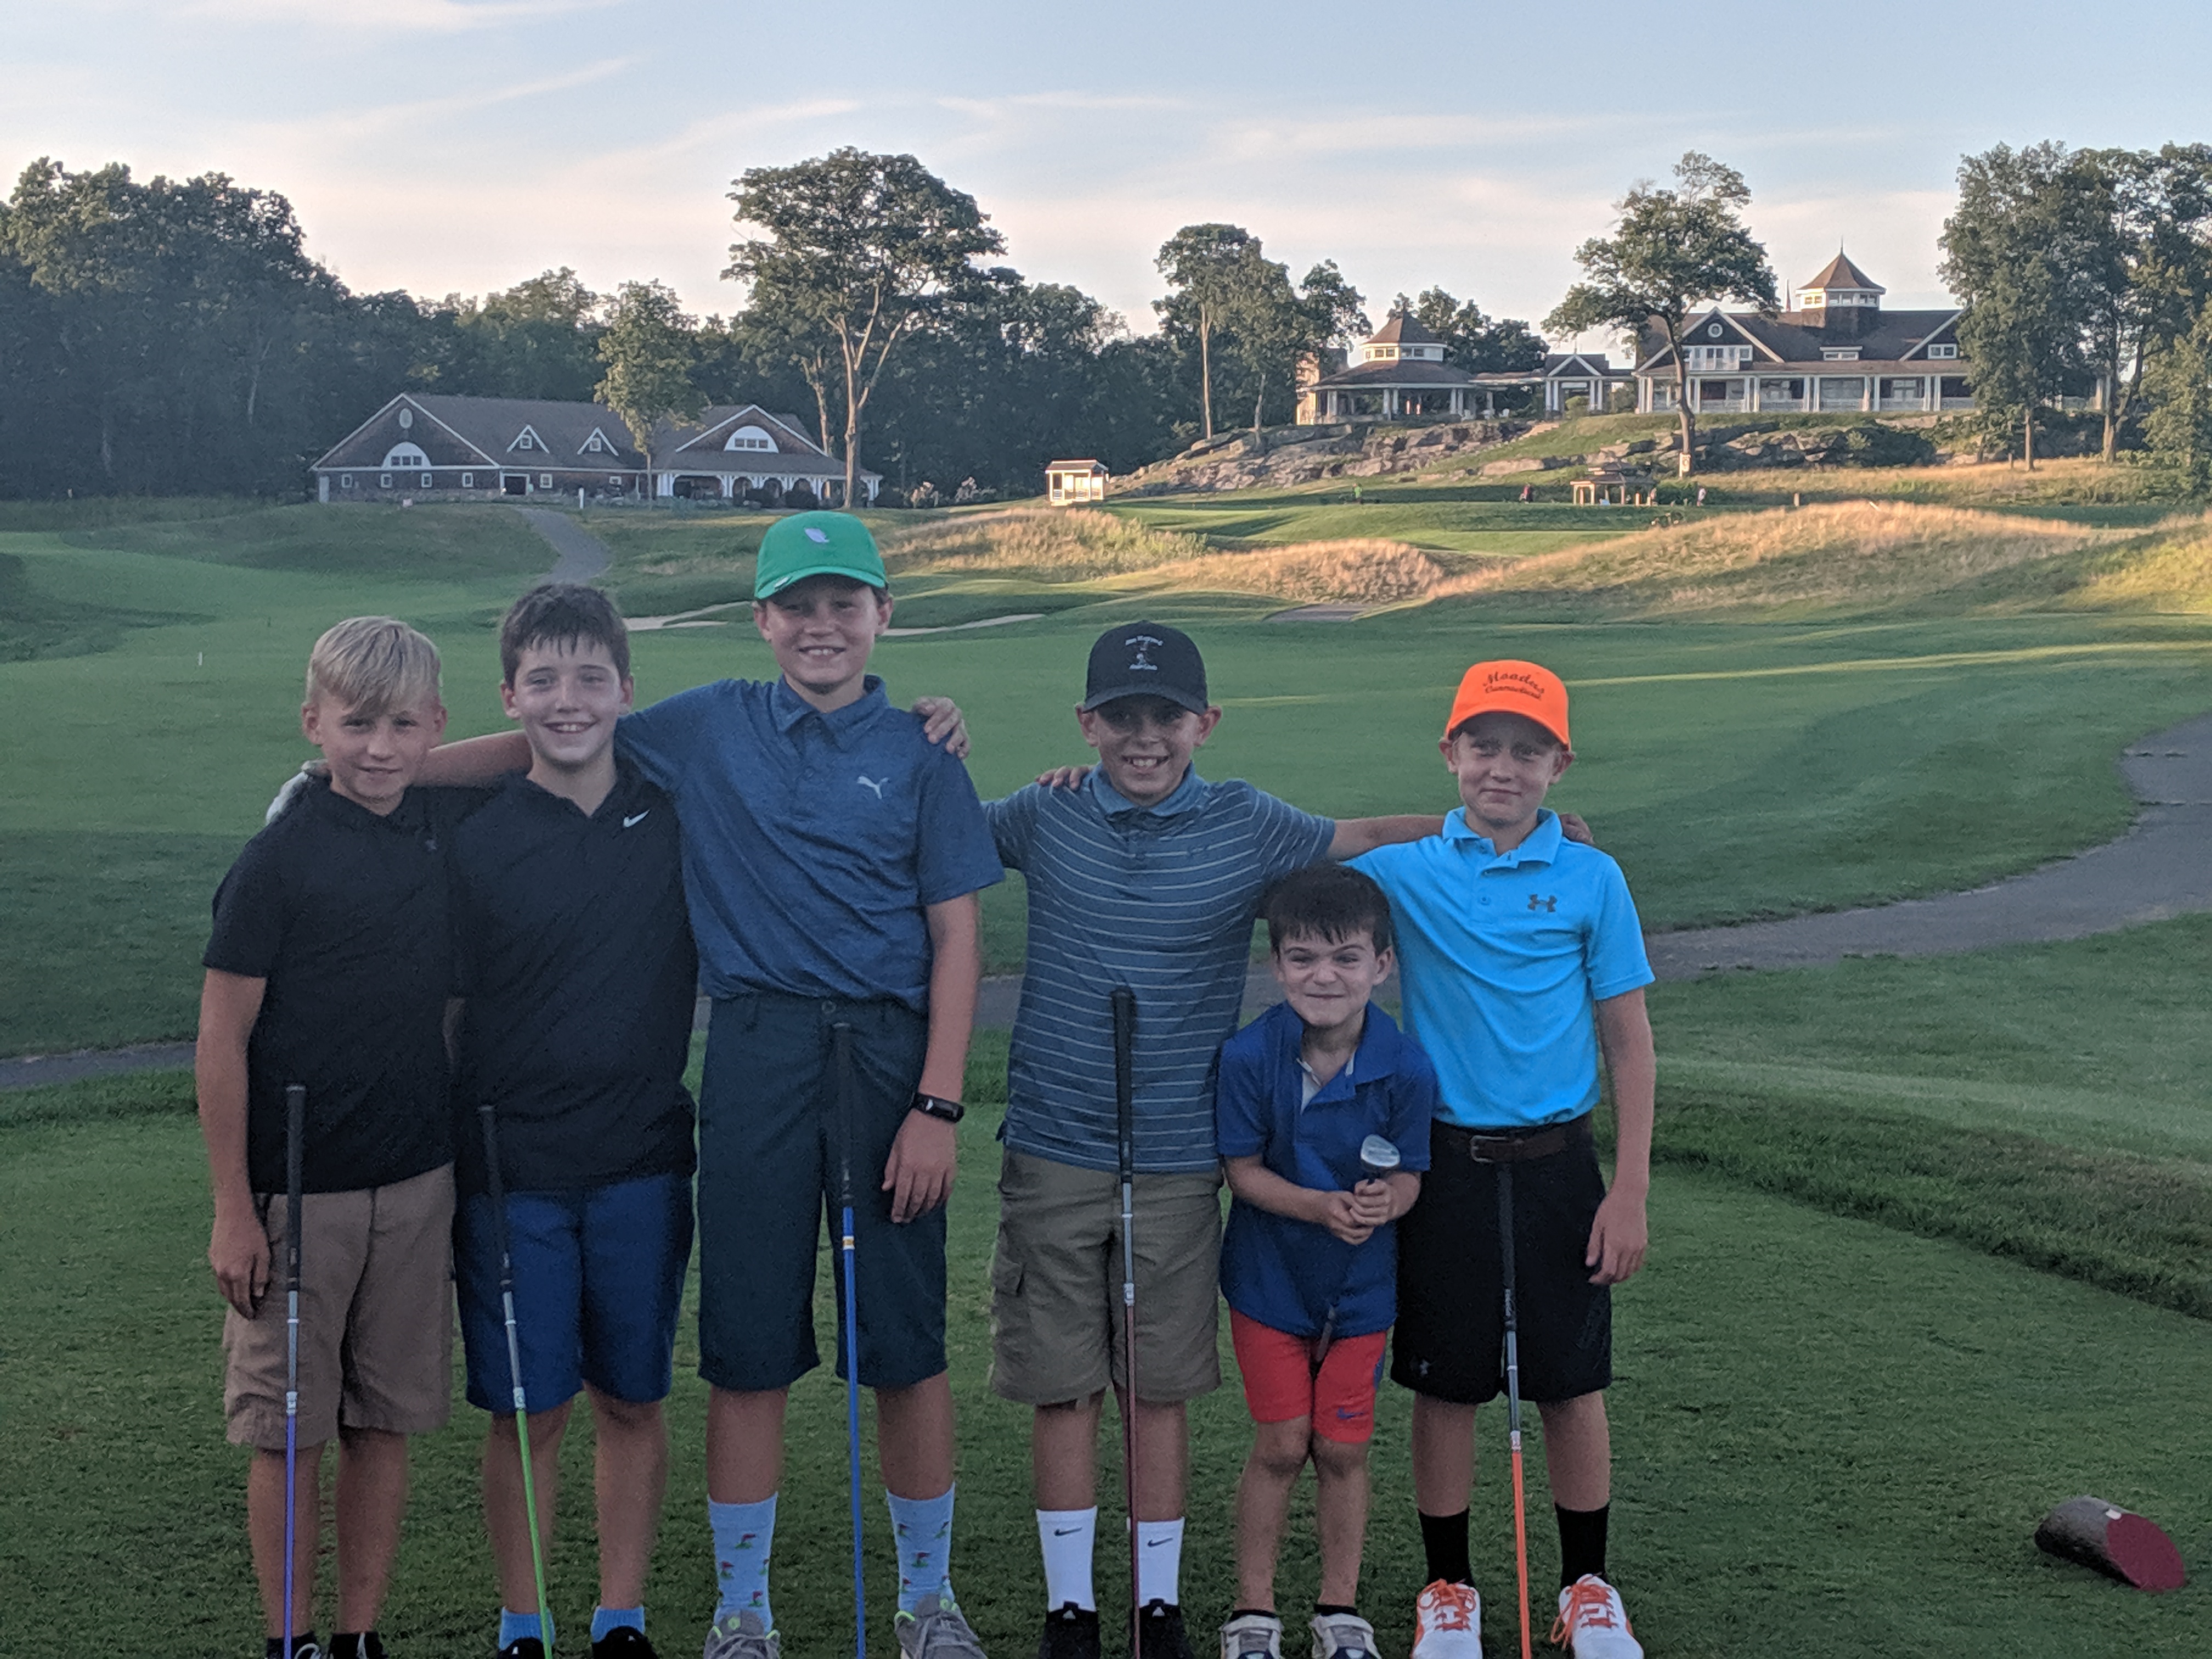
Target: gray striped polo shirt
(1159, 899)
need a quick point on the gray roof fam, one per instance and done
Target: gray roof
(1404, 329)
(1400, 372)
(1840, 272)
(485, 432)
(1796, 338)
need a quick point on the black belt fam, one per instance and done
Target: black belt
(1513, 1146)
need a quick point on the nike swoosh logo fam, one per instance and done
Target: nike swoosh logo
(1154, 1543)
(1066, 1532)
(640, 818)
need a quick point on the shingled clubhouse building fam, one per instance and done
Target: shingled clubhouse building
(423, 446)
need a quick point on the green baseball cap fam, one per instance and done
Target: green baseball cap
(805, 544)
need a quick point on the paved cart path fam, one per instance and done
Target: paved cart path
(2162, 867)
(583, 556)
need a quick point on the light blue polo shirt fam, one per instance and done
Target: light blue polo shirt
(812, 842)
(1504, 958)
(1158, 898)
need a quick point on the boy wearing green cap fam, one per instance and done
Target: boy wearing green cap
(832, 853)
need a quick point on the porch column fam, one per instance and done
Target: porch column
(1870, 394)
(1751, 392)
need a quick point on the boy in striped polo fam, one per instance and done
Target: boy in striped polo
(1142, 875)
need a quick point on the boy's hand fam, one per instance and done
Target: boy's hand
(919, 1173)
(1341, 1212)
(294, 787)
(943, 722)
(1572, 827)
(1370, 1203)
(239, 1252)
(1618, 1238)
(1064, 777)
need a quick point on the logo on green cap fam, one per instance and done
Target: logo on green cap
(806, 544)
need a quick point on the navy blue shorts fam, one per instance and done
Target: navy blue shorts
(768, 1152)
(598, 1280)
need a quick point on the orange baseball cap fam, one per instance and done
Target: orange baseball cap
(1526, 689)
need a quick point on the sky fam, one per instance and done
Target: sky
(447, 146)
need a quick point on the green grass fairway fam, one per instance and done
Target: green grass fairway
(1826, 1431)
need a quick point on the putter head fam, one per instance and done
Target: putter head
(1377, 1157)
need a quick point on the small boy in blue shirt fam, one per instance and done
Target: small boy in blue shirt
(1523, 960)
(1308, 1263)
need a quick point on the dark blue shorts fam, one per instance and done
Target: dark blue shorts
(769, 1147)
(598, 1280)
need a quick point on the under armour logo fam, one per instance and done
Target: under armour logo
(867, 782)
(1143, 642)
(1551, 904)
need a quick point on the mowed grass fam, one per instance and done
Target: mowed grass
(1826, 1431)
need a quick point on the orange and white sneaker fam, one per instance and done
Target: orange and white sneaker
(1447, 1622)
(1592, 1623)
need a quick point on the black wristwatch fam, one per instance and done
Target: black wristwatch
(945, 1111)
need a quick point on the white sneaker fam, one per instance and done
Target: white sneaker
(1342, 1636)
(1447, 1622)
(1255, 1636)
(1592, 1623)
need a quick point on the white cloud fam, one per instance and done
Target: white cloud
(388, 17)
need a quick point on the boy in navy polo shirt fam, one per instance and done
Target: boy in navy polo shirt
(575, 962)
(1308, 1266)
(1523, 959)
(328, 967)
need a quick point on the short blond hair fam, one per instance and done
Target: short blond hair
(372, 664)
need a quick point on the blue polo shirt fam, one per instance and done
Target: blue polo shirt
(1158, 898)
(1285, 1273)
(1505, 955)
(811, 841)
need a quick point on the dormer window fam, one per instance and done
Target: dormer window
(750, 437)
(527, 439)
(1943, 351)
(406, 457)
(1839, 354)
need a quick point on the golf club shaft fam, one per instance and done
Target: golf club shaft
(1513, 1393)
(1124, 1121)
(1326, 1339)
(295, 1134)
(497, 1189)
(841, 1045)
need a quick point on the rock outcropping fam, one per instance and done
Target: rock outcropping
(1302, 454)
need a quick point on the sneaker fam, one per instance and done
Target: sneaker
(1069, 1633)
(1592, 1623)
(1255, 1636)
(1159, 1633)
(936, 1630)
(1342, 1636)
(623, 1642)
(741, 1636)
(523, 1647)
(1447, 1622)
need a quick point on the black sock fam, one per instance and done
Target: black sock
(1444, 1538)
(1582, 1542)
(1332, 1609)
(357, 1644)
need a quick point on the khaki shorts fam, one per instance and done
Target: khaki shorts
(1056, 1332)
(376, 1318)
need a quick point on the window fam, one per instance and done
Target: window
(1839, 354)
(345, 481)
(468, 481)
(385, 482)
(615, 479)
(1714, 331)
(545, 481)
(406, 419)
(406, 458)
(594, 446)
(526, 441)
(1942, 352)
(750, 437)
(429, 482)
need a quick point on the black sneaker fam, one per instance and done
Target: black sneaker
(623, 1642)
(523, 1647)
(1069, 1633)
(1159, 1633)
(355, 1644)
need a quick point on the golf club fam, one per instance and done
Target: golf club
(1124, 1121)
(840, 1051)
(498, 1198)
(1513, 1394)
(295, 1134)
(1377, 1159)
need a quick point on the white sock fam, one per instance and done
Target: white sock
(1159, 1563)
(1066, 1536)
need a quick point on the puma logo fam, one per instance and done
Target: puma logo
(876, 784)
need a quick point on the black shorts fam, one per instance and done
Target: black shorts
(1449, 1343)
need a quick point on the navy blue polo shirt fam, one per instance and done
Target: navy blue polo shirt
(571, 945)
(1158, 898)
(345, 915)
(812, 842)
(1286, 1273)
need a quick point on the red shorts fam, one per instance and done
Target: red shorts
(1281, 1387)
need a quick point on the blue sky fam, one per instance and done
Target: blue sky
(461, 145)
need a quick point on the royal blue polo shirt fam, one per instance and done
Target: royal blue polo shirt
(812, 842)
(1504, 958)
(1287, 1274)
(1157, 898)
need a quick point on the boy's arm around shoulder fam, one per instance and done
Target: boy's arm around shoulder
(238, 1247)
(1622, 1231)
(1357, 836)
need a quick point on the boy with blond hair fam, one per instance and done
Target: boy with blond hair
(328, 968)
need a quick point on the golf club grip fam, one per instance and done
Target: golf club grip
(840, 1070)
(295, 1136)
(1125, 1082)
(495, 1188)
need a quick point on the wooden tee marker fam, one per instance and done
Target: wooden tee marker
(2115, 1541)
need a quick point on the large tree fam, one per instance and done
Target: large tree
(861, 251)
(2180, 424)
(536, 339)
(651, 349)
(1672, 252)
(1209, 269)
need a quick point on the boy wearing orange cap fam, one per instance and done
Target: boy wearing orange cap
(1522, 959)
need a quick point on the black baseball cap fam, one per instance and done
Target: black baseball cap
(1146, 660)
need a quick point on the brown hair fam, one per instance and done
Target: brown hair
(563, 614)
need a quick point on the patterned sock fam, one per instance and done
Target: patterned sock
(744, 1534)
(521, 1627)
(1582, 1542)
(1068, 1537)
(606, 1618)
(923, 1526)
(1159, 1562)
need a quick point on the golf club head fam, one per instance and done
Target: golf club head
(1377, 1157)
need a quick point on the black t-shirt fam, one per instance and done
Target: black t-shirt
(574, 949)
(345, 915)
